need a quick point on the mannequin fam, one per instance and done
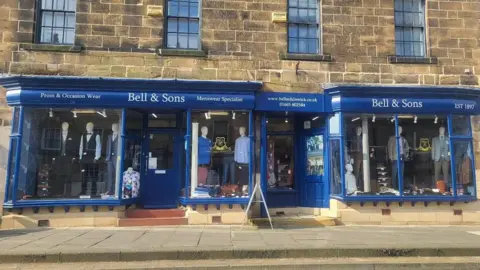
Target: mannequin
(242, 159)
(392, 155)
(204, 153)
(441, 155)
(112, 159)
(356, 149)
(350, 181)
(89, 154)
(131, 183)
(65, 157)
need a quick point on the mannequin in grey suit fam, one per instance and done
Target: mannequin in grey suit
(112, 159)
(392, 155)
(441, 155)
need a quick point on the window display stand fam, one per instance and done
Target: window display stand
(262, 200)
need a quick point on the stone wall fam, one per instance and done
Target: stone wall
(242, 43)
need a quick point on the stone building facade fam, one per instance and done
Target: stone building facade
(242, 41)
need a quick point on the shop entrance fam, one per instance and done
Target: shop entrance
(313, 186)
(162, 155)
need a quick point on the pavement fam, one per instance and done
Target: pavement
(229, 242)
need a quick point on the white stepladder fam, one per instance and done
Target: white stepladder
(262, 200)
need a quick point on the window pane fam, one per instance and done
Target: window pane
(418, 49)
(193, 28)
(223, 158)
(398, 34)
(371, 169)
(293, 45)
(58, 19)
(47, 4)
(71, 5)
(16, 120)
(57, 35)
(398, 5)
(133, 152)
(64, 156)
(69, 36)
(293, 3)
(312, 3)
(418, 19)
(183, 10)
(47, 18)
(408, 48)
(293, 14)
(193, 41)
(46, 36)
(312, 31)
(11, 169)
(427, 162)
(315, 161)
(183, 25)
(408, 19)
(303, 14)
(161, 150)
(463, 155)
(70, 20)
(312, 15)
(302, 45)
(461, 125)
(172, 25)
(183, 41)
(335, 176)
(408, 5)
(280, 162)
(172, 40)
(279, 124)
(59, 4)
(292, 30)
(303, 3)
(407, 34)
(417, 6)
(312, 46)
(193, 10)
(172, 8)
(398, 18)
(303, 31)
(399, 48)
(417, 34)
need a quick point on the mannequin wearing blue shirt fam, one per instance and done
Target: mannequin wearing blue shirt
(242, 159)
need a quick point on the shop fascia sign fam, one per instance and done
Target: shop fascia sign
(412, 103)
(169, 98)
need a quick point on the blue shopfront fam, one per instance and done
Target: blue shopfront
(111, 142)
(164, 143)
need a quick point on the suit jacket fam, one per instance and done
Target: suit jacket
(69, 147)
(392, 147)
(112, 148)
(440, 147)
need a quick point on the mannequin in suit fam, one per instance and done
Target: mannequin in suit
(356, 149)
(441, 155)
(89, 153)
(66, 156)
(112, 159)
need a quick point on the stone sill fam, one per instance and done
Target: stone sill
(393, 59)
(306, 57)
(187, 53)
(51, 47)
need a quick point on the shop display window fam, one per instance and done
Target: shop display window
(220, 154)
(69, 153)
(335, 172)
(405, 155)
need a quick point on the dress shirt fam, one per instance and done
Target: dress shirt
(242, 150)
(64, 135)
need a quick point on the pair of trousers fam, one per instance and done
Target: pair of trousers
(357, 168)
(202, 175)
(228, 171)
(395, 173)
(111, 176)
(89, 174)
(442, 165)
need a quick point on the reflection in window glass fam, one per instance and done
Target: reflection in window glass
(280, 162)
(69, 153)
(336, 178)
(131, 165)
(461, 125)
(334, 124)
(160, 152)
(221, 152)
(16, 119)
(315, 162)
(427, 161)
(371, 169)
(464, 168)
(159, 120)
(134, 122)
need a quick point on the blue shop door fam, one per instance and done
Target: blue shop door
(161, 187)
(313, 181)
